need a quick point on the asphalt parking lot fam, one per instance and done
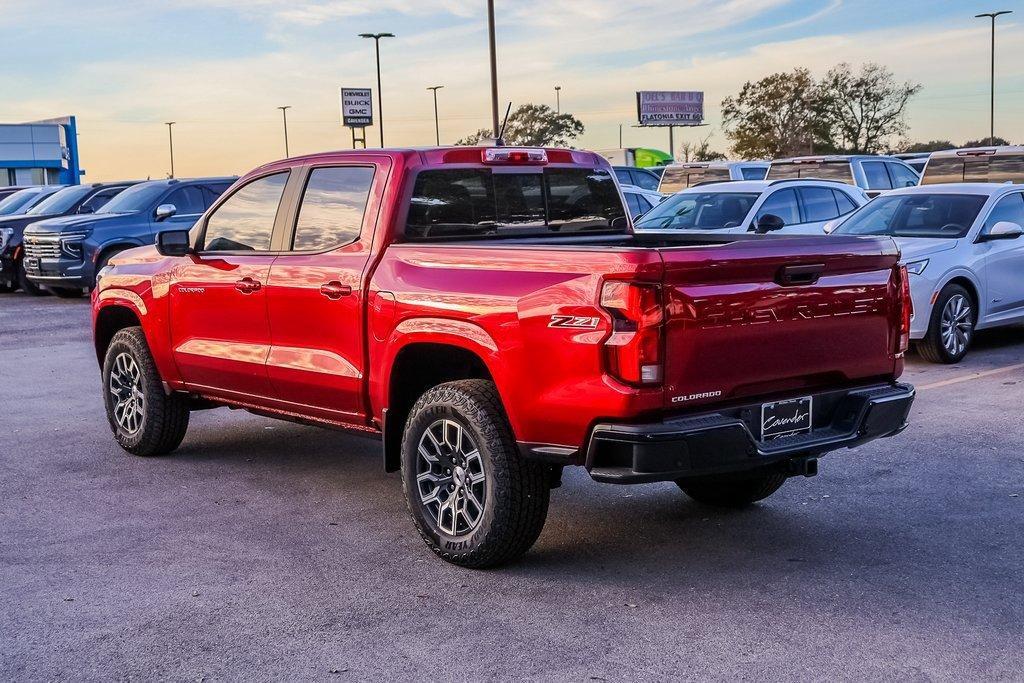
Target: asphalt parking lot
(265, 550)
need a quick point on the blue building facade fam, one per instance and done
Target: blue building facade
(39, 153)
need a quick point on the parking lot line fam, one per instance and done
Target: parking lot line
(973, 375)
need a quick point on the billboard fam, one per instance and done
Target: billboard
(670, 107)
(356, 107)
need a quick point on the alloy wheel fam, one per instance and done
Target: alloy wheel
(450, 477)
(956, 325)
(125, 387)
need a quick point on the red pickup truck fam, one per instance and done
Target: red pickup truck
(489, 312)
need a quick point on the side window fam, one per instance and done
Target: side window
(819, 204)
(93, 203)
(623, 176)
(876, 176)
(1009, 208)
(845, 204)
(754, 173)
(644, 205)
(902, 176)
(187, 200)
(213, 192)
(332, 207)
(646, 180)
(245, 222)
(782, 204)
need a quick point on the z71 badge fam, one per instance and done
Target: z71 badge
(576, 322)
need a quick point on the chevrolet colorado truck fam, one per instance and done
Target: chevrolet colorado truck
(490, 315)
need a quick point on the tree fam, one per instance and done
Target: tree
(534, 125)
(863, 110)
(773, 117)
(987, 142)
(700, 151)
(930, 146)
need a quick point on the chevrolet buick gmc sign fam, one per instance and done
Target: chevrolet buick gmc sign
(356, 107)
(670, 107)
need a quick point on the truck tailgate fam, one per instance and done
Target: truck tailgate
(767, 317)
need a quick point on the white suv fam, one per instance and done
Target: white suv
(785, 206)
(962, 245)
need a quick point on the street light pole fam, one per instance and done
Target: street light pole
(380, 95)
(284, 116)
(437, 128)
(170, 140)
(494, 66)
(992, 83)
(558, 99)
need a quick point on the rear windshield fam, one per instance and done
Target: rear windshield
(483, 203)
(826, 170)
(677, 178)
(916, 215)
(699, 211)
(981, 169)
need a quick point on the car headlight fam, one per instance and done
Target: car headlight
(917, 267)
(71, 243)
(5, 238)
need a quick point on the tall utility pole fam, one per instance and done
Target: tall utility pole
(992, 100)
(558, 99)
(437, 128)
(170, 140)
(494, 67)
(284, 116)
(380, 95)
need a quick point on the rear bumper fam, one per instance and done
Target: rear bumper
(724, 442)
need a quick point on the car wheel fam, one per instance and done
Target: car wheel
(67, 292)
(26, 285)
(475, 501)
(144, 419)
(951, 327)
(734, 491)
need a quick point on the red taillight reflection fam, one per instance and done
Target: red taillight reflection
(634, 349)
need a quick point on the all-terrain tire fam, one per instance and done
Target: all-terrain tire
(733, 492)
(932, 348)
(516, 491)
(164, 418)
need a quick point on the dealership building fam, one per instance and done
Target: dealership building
(39, 153)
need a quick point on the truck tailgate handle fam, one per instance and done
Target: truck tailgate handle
(806, 274)
(335, 290)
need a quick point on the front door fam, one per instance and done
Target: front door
(218, 296)
(1004, 260)
(316, 293)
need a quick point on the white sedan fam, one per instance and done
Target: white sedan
(791, 206)
(963, 248)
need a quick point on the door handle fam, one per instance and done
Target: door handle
(247, 285)
(335, 290)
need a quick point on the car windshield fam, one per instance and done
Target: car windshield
(60, 201)
(19, 202)
(699, 211)
(825, 170)
(135, 198)
(468, 203)
(916, 215)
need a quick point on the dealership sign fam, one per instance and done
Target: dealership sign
(670, 107)
(356, 107)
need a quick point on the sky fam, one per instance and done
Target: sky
(220, 68)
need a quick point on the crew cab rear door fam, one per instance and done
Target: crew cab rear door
(316, 291)
(770, 316)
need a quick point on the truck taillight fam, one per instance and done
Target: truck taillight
(634, 349)
(906, 310)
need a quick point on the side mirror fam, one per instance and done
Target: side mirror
(165, 211)
(173, 243)
(768, 223)
(1003, 230)
(830, 227)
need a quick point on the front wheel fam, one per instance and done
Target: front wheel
(475, 501)
(733, 492)
(144, 419)
(951, 327)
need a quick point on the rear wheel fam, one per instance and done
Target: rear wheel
(475, 501)
(67, 292)
(734, 491)
(951, 328)
(144, 419)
